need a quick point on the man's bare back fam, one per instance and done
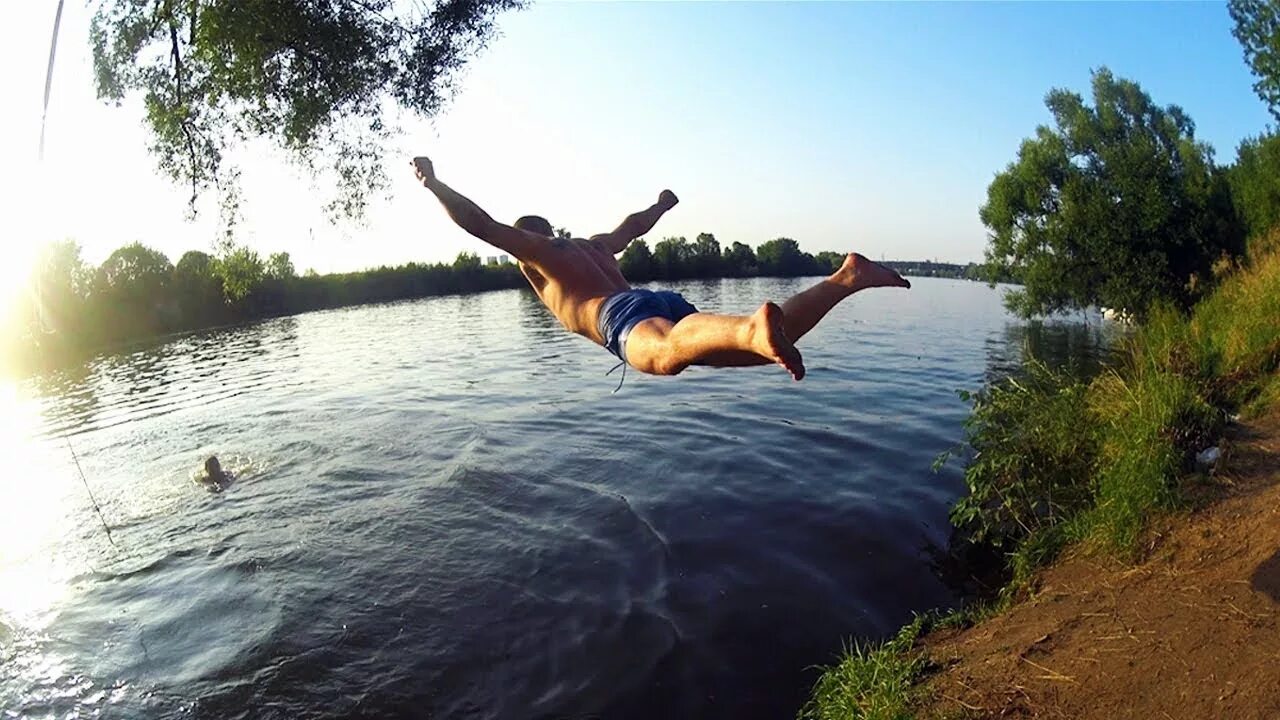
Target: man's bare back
(659, 333)
(573, 277)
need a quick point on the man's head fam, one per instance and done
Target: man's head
(212, 467)
(535, 224)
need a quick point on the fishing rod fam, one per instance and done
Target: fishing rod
(44, 116)
(48, 75)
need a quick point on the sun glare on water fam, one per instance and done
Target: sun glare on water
(36, 510)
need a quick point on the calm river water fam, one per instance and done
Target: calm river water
(442, 510)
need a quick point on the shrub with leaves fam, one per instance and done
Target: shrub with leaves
(1033, 455)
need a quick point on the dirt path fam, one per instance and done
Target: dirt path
(1191, 633)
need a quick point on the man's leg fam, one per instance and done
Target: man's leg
(804, 309)
(660, 347)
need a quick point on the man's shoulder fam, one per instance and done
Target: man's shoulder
(563, 244)
(602, 241)
(595, 242)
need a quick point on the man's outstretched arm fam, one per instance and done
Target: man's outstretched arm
(637, 224)
(520, 244)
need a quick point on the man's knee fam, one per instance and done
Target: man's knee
(649, 348)
(669, 366)
(657, 364)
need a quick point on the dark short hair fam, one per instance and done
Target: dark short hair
(535, 224)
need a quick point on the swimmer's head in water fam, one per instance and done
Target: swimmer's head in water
(212, 467)
(535, 224)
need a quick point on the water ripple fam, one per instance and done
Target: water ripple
(442, 509)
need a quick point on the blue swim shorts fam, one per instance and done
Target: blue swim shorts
(622, 311)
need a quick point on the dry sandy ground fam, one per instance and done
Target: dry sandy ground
(1190, 633)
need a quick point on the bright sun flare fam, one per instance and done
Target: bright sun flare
(33, 511)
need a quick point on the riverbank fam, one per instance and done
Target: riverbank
(1191, 631)
(1100, 481)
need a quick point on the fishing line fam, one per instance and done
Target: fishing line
(92, 499)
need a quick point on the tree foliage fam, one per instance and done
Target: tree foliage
(637, 262)
(241, 270)
(705, 256)
(1257, 27)
(782, 256)
(467, 262)
(739, 260)
(1117, 205)
(61, 281)
(312, 76)
(1255, 183)
(198, 289)
(279, 266)
(132, 293)
(672, 257)
(135, 271)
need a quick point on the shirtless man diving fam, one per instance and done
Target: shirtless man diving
(658, 333)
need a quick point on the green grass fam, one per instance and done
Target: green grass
(1039, 550)
(871, 682)
(1151, 422)
(1268, 397)
(879, 681)
(968, 615)
(1238, 327)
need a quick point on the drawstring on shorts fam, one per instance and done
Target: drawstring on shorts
(622, 365)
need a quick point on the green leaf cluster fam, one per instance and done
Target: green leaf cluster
(316, 78)
(1116, 205)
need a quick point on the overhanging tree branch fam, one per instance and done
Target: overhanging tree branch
(311, 77)
(184, 123)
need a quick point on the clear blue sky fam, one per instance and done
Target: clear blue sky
(863, 126)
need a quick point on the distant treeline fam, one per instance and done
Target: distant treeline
(677, 258)
(138, 293)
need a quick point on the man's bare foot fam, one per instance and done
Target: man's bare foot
(859, 273)
(769, 339)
